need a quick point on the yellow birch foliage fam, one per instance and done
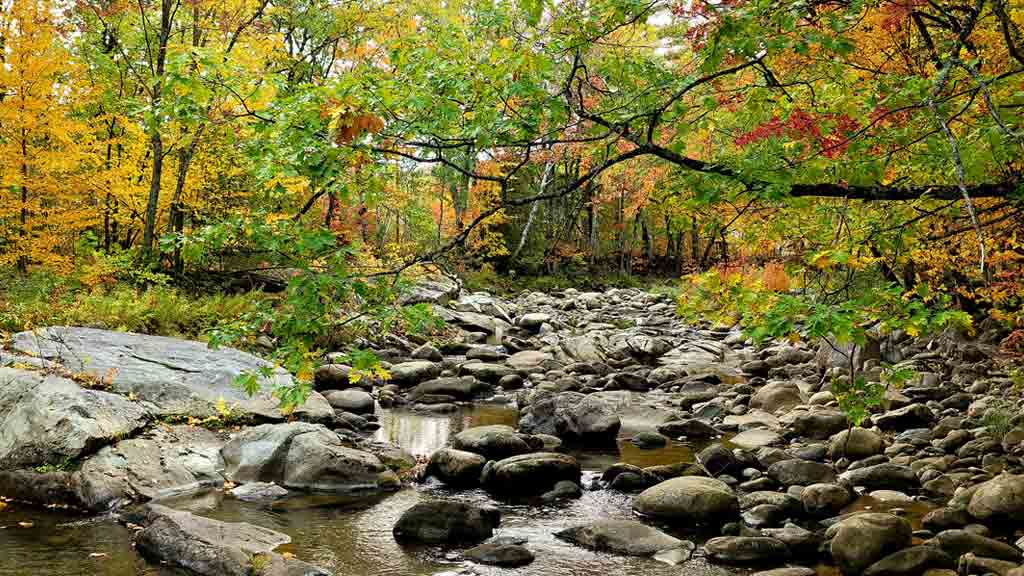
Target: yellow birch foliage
(44, 185)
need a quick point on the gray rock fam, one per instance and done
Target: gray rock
(777, 396)
(911, 562)
(746, 550)
(533, 320)
(495, 442)
(960, 542)
(755, 438)
(572, 416)
(456, 467)
(305, 457)
(649, 440)
(464, 388)
(529, 361)
(627, 537)
(863, 539)
(354, 401)
(258, 492)
(492, 373)
(689, 499)
(210, 547)
(795, 472)
(46, 419)
(173, 377)
(335, 377)
(530, 474)
(789, 571)
(825, 500)
(691, 428)
(999, 499)
(884, 477)
(856, 444)
(428, 353)
(913, 416)
(439, 291)
(408, 374)
(446, 522)
(507, 555)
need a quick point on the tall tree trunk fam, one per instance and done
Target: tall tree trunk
(22, 259)
(156, 138)
(533, 212)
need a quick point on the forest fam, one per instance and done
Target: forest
(380, 214)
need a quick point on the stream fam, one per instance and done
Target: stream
(351, 536)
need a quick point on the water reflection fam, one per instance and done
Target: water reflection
(423, 433)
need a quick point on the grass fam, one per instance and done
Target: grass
(28, 302)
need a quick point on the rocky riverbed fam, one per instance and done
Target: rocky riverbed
(569, 433)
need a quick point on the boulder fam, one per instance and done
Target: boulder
(573, 417)
(906, 418)
(427, 352)
(529, 361)
(305, 457)
(746, 550)
(530, 474)
(170, 376)
(506, 555)
(960, 542)
(884, 476)
(463, 388)
(999, 499)
(335, 377)
(446, 522)
(911, 562)
(717, 460)
(533, 320)
(825, 500)
(486, 372)
(860, 540)
(407, 374)
(627, 537)
(691, 428)
(777, 396)
(755, 438)
(456, 467)
(856, 444)
(495, 442)
(47, 419)
(213, 548)
(689, 499)
(796, 472)
(258, 492)
(354, 401)
(439, 291)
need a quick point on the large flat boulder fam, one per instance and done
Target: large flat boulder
(170, 376)
(689, 499)
(47, 419)
(213, 548)
(627, 537)
(572, 416)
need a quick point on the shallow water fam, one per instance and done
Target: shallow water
(351, 536)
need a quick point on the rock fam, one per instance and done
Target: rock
(456, 467)
(495, 442)
(913, 416)
(462, 388)
(164, 461)
(354, 401)
(210, 547)
(305, 457)
(999, 499)
(511, 382)
(777, 396)
(46, 419)
(407, 374)
(530, 474)
(801, 542)
(170, 376)
(649, 440)
(75, 490)
(428, 353)
(627, 537)
(446, 522)
(689, 499)
(563, 490)
(756, 438)
(533, 320)
(911, 562)
(746, 550)
(795, 472)
(691, 428)
(860, 540)
(529, 361)
(587, 348)
(335, 377)
(258, 492)
(439, 291)
(884, 477)
(856, 444)
(960, 542)
(717, 459)
(572, 416)
(507, 555)
(825, 500)
(492, 373)
(789, 571)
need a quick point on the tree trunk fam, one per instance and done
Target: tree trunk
(156, 139)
